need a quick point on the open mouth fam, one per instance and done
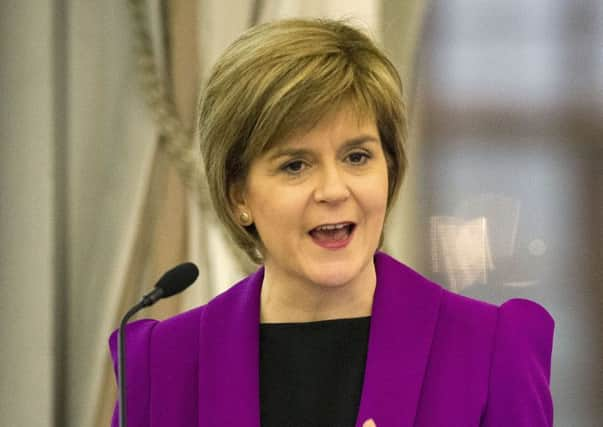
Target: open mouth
(332, 233)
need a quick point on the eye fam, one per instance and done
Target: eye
(294, 167)
(358, 157)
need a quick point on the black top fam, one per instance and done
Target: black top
(311, 374)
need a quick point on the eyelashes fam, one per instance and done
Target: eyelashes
(296, 167)
(361, 157)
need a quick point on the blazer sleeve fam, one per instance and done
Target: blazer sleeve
(138, 340)
(519, 383)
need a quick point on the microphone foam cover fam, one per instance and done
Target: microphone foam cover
(178, 279)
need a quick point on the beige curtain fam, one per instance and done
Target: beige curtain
(402, 28)
(110, 148)
(162, 238)
(30, 214)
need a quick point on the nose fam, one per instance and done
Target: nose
(331, 185)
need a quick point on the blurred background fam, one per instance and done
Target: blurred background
(100, 189)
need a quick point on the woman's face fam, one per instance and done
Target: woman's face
(334, 175)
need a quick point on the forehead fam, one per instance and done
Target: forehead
(342, 124)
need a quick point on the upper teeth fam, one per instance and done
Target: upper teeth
(332, 226)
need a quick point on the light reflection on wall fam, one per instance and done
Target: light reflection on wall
(466, 246)
(461, 250)
(511, 172)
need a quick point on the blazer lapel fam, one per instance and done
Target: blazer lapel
(404, 315)
(229, 357)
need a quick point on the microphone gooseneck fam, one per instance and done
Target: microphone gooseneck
(172, 282)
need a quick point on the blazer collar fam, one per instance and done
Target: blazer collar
(405, 311)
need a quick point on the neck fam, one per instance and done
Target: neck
(290, 301)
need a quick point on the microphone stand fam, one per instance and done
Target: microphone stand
(121, 372)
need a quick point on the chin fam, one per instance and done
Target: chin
(331, 270)
(334, 276)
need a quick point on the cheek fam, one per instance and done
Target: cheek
(276, 213)
(375, 193)
(377, 204)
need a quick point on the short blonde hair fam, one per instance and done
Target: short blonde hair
(284, 76)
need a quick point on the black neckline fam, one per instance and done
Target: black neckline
(316, 322)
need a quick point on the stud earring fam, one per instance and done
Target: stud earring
(245, 218)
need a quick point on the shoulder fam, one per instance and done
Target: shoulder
(137, 335)
(183, 326)
(516, 341)
(527, 319)
(509, 345)
(174, 337)
(528, 315)
(160, 357)
(139, 332)
(516, 331)
(466, 310)
(516, 321)
(523, 328)
(520, 367)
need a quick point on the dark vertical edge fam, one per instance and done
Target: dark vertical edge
(166, 48)
(391, 10)
(257, 8)
(392, 34)
(59, 75)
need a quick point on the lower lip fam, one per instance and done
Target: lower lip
(335, 244)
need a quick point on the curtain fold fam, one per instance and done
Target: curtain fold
(109, 149)
(162, 239)
(402, 29)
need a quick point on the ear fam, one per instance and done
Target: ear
(237, 199)
(236, 194)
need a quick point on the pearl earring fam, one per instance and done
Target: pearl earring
(245, 218)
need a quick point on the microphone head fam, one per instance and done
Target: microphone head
(177, 279)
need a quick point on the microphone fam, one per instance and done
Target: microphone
(172, 282)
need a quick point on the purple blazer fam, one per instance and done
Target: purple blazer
(435, 358)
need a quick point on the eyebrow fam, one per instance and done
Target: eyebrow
(294, 152)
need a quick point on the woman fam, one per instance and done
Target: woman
(302, 128)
